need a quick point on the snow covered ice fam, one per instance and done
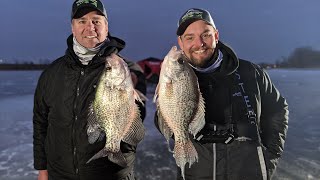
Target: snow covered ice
(300, 161)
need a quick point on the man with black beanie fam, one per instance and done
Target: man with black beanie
(246, 118)
(62, 98)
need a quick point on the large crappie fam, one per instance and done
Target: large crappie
(180, 106)
(114, 113)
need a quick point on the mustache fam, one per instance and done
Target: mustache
(204, 47)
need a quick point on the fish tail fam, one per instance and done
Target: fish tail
(102, 153)
(185, 153)
(117, 157)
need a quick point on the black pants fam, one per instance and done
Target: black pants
(236, 161)
(90, 176)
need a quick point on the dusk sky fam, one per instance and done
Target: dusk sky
(260, 31)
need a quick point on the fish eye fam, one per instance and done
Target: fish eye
(180, 61)
(108, 67)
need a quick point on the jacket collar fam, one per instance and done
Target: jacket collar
(114, 45)
(229, 64)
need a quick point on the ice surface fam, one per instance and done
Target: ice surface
(301, 158)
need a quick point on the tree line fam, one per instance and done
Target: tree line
(24, 66)
(302, 57)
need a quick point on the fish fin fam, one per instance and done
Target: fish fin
(101, 137)
(94, 131)
(163, 127)
(136, 131)
(185, 153)
(95, 134)
(198, 120)
(118, 158)
(156, 93)
(102, 153)
(139, 96)
(169, 149)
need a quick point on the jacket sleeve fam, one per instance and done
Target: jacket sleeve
(40, 124)
(140, 86)
(273, 120)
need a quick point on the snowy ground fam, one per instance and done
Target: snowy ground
(301, 159)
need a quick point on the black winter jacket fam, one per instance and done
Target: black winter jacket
(220, 90)
(61, 102)
(224, 106)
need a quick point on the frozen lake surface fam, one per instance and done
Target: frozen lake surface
(301, 158)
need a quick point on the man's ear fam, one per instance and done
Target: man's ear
(107, 27)
(72, 27)
(216, 35)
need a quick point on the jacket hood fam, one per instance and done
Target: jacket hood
(114, 45)
(230, 61)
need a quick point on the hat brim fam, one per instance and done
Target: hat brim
(183, 26)
(84, 9)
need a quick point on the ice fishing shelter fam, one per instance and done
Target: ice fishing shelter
(151, 67)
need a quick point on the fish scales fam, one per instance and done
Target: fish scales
(114, 113)
(180, 106)
(113, 116)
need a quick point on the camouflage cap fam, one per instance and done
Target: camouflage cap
(191, 16)
(87, 4)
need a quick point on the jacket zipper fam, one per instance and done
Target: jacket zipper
(214, 157)
(74, 122)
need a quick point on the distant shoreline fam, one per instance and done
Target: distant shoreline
(13, 67)
(16, 67)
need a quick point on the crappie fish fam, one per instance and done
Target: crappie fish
(114, 113)
(180, 106)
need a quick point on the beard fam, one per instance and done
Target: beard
(201, 62)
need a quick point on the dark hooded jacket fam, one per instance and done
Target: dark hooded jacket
(225, 106)
(221, 91)
(63, 94)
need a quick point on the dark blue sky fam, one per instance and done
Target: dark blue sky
(260, 31)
